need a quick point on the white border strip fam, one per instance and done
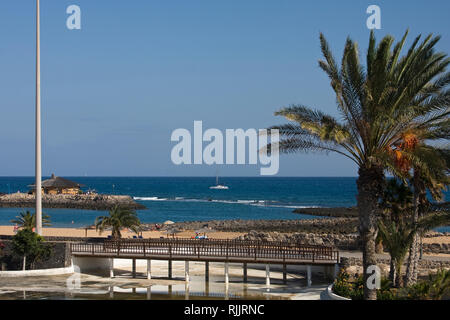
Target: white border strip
(334, 296)
(36, 273)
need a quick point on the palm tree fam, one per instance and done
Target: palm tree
(431, 168)
(397, 238)
(118, 219)
(379, 104)
(397, 204)
(27, 220)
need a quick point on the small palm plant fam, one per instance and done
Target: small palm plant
(118, 219)
(396, 228)
(27, 220)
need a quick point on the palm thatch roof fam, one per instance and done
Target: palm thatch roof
(58, 182)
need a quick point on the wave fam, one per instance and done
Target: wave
(258, 203)
(150, 199)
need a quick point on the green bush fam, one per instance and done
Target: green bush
(436, 287)
(346, 287)
(31, 247)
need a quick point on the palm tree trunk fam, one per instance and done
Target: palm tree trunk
(392, 272)
(413, 258)
(398, 278)
(24, 263)
(369, 183)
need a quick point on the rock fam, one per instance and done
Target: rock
(84, 201)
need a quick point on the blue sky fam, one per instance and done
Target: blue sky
(113, 92)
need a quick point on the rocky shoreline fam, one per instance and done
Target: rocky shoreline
(340, 233)
(352, 212)
(329, 212)
(317, 226)
(81, 201)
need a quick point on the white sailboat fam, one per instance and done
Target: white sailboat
(219, 186)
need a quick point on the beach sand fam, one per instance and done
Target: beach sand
(82, 233)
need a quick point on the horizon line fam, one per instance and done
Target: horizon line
(143, 176)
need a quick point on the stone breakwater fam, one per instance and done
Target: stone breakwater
(82, 201)
(354, 265)
(329, 212)
(343, 212)
(339, 241)
(317, 226)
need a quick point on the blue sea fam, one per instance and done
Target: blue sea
(191, 199)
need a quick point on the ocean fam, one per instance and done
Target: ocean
(190, 198)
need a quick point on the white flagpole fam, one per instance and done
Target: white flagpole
(38, 124)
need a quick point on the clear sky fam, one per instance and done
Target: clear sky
(113, 92)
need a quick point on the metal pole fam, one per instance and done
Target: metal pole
(38, 124)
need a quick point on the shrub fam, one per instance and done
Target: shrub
(353, 287)
(346, 287)
(436, 287)
(30, 246)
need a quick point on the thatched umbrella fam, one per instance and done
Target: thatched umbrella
(86, 228)
(172, 231)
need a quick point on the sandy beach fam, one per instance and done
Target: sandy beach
(83, 233)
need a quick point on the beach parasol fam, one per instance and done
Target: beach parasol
(168, 222)
(172, 231)
(86, 228)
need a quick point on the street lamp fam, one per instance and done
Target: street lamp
(38, 183)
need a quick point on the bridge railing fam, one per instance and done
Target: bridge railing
(226, 249)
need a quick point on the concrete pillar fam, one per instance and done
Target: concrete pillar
(284, 274)
(133, 271)
(149, 293)
(227, 278)
(267, 275)
(111, 268)
(186, 271)
(227, 292)
(245, 272)
(170, 269)
(308, 275)
(149, 269)
(186, 291)
(207, 271)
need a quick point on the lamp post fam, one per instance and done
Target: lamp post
(38, 124)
